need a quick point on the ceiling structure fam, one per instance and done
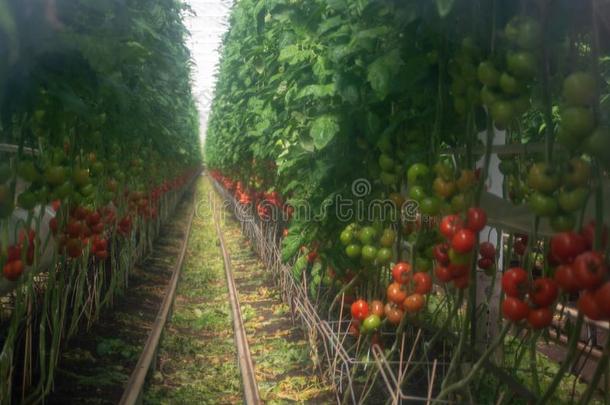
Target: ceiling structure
(207, 24)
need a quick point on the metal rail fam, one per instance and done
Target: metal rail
(133, 391)
(246, 366)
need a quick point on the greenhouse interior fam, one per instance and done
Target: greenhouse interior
(304, 202)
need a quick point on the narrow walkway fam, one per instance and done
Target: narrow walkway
(197, 359)
(281, 355)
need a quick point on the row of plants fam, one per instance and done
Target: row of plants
(408, 98)
(99, 139)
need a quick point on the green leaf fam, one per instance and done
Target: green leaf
(381, 72)
(323, 130)
(317, 91)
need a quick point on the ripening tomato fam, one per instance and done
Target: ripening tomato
(14, 253)
(354, 328)
(393, 313)
(565, 277)
(587, 304)
(443, 274)
(376, 308)
(487, 250)
(565, 246)
(590, 269)
(540, 318)
(514, 282)
(401, 272)
(396, 293)
(476, 219)
(312, 256)
(414, 303)
(450, 224)
(463, 241)
(458, 270)
(544, 292)
(514, 309)
(423, 283)
(360, 309)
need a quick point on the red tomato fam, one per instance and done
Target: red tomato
(590, 269)
(462, 282)
(514, 282)
(487, 250)
(485, 263)
(401, 272)
(423, 283)
(565, 246)
(450, 224)
(396, 293)
(514, 309)
(565, 276)
(414, 303)
(443, 274)
(13, 253)
(588, 306)
(476, 219)
(544, 292)
(12, 270)
(360, 309)
(519, 247)
(312, 256)
(463, 241)
(602, 298)
(458, 270)
(53, 225)
(540, 318)
(588, 232)
(441, 253)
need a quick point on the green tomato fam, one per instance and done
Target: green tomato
(384, 255)
(27, 200)
(386, 163)
(521, 104)
(55, 175)
(578, 172)
(371, 324)
(598, 144)
(529, 34)
(430, 206)
(417, 193)
(488, 96)
(369, 253)
(578, 122)
(367, 235)
(579, 89)
(509, 84)
(417, 174)
(346, 237)
(488, 74)
(542, 177)
(459, 105)
(522, 64)
(88, 190)
(502, 113)
(81, 177)
(388, 179)
(568, 141)
(6, 209)
(543, 205)
(563, 222)
(572, 200)
(64, 191)
(27, 171)
(353, 251)
(423, 264)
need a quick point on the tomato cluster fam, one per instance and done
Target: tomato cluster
(371, 244)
